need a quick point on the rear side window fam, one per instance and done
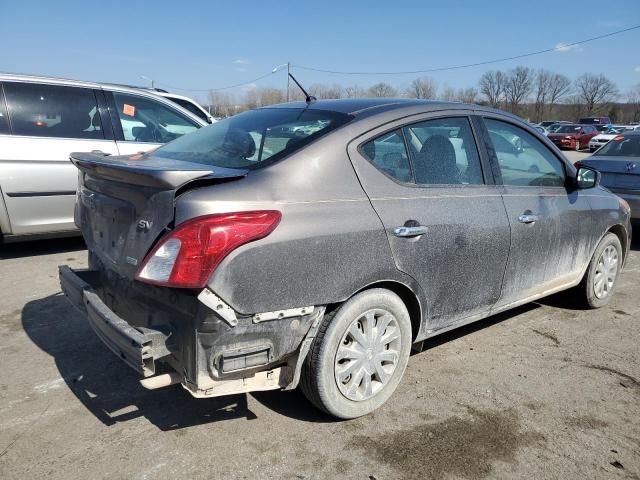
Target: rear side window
(145, 120)
(443, 152)
(523, 159)
(190, 107)
(40, 110)
(389, 154)
(4, 119)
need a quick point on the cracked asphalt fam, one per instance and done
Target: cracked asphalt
(544, 391)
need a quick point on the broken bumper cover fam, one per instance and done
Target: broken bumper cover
(134, 346)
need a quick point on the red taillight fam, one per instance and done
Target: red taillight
(618, 138)
(186, 257)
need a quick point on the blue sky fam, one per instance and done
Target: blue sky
(186, 46)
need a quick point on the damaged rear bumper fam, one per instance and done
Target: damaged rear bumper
(209, 354)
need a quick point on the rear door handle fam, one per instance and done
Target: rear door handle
(528, 218)
(414, 231)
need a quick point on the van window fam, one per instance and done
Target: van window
(41, 110)
(4, 120)
(145, 120)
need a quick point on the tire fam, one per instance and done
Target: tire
(577, 145)
(597, 273)
(364, 313)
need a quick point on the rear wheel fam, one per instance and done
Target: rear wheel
(359, 354)
(601, 277)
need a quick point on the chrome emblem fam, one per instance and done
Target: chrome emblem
(630, 166)
(144, 225)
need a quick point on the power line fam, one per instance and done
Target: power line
(218, 88)
(468, 65)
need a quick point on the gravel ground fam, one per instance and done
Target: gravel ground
(544, 391)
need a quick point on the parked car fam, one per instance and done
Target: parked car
(619, 163)
(548, 123)
(603, 137)
(541, 129)
(573, 136)
(595, 121)
(43, 120)
(186, 103)
(321, 261)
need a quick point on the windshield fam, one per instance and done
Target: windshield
(567, 129)
(255, 138)
(622, 146)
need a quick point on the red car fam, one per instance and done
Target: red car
(573, 136)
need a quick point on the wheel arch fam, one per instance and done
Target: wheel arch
(621, 233)
(408, 297)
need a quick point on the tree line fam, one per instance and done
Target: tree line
(535, 95)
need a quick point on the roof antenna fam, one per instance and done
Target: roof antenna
(308, 98)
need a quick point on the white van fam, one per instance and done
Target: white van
(43, 120)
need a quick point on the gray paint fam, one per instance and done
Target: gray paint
(335, 237)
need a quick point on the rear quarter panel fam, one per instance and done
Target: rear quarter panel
(329, 244)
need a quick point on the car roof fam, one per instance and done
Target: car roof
(361, 107)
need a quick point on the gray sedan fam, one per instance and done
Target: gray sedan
(316, 244)
(619, 163)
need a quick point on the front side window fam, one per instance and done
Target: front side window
(443, 152)
(41, 110)
(523, 159)
(148, 121)
(389, 154)
(255, 138)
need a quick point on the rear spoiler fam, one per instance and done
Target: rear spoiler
(149, 171)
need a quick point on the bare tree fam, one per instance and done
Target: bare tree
(320, 90)
(354, 91)
(467, 95)
(449, 94)
(492, 87)
(559, 87)
(222, 104)
(270, 96)
(382, 89)
(542, 87)
(633, 99)
(594, 91)
(423, 87)
(518, 86)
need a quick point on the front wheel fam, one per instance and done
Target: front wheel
(359, 354)
(599, 281)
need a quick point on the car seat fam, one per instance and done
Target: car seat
(436, 162)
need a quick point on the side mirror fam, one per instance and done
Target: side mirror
(587, 178)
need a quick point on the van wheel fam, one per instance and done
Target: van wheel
(359, 354)
(601, 277)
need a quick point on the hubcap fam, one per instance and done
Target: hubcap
(368, 355)
(606, 272)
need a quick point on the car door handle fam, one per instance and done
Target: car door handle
(414, 231)
(528, 218)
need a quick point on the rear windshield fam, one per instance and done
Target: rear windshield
(253, 139)
(622, 146)
(568, 129)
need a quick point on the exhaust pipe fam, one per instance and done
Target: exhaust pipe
(161, 381)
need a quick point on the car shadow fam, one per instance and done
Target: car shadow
(40, 247)
(460, 332)
(112, 392)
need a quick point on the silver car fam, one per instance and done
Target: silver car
(43, 120)
(316, 243)
(619, 163)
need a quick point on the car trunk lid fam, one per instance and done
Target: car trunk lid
(617, 172)
(126, 203)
